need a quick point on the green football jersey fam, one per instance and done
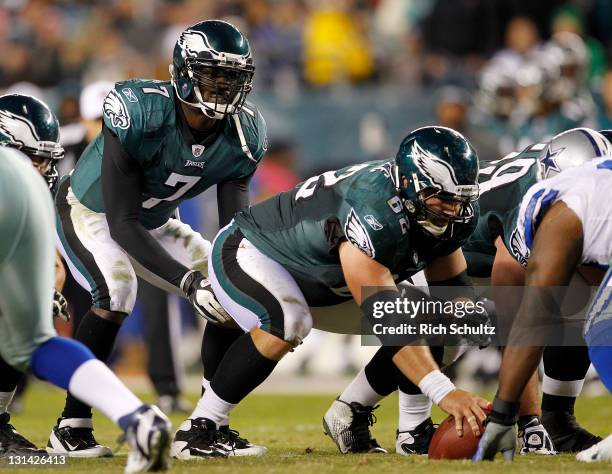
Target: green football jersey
(503, 183)
(145, 117)
(302, 228)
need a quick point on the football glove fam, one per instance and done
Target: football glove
(496, 438)
(60, 306)
(198, 291)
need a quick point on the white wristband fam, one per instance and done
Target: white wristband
(435, 385)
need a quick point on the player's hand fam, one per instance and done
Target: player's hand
(200, 294)
(497, 438)
(461, 404)
(478, 319)
(60, 306)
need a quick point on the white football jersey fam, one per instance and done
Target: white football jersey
(586, 190)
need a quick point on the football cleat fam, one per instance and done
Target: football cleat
(348, 425)
(533, 438)
(149, 437)
(415, 441)
(11, 442)
(567, 435)
(170, 404)
(231, 441)
(74, 437)
(601, 451)
(197, 439)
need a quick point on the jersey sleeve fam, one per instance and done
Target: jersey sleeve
(374, 230)
(125, 119)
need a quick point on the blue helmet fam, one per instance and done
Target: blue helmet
(437, 162)
(212, 68)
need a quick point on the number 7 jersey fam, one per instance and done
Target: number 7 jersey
(144, 116)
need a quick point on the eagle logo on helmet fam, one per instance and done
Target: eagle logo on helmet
(114, 108)
(439, 173)
(192, 42)
(19, 129)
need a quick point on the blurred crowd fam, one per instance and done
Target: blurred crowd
(506, 73)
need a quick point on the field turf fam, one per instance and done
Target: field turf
(290, 426)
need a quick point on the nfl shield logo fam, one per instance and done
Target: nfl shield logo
(197, 150)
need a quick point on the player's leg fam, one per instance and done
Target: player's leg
(11, 441)
(564, 371)
(102, 267)
(264, 300)
(598, 336)
(26, 283)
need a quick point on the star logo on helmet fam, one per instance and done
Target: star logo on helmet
(548, 161)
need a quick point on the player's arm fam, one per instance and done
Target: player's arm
(556, 251)
(121, 191)
(415, 361)
(231, 197)
(506, 270)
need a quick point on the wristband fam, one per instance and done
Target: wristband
(504, 413)
(435, 385)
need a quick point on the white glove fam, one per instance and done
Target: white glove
(198, 291)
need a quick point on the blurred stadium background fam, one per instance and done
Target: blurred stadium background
(338, 81)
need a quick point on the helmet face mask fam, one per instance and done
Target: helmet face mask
(212, 68)
(436, 173)
(28, 125)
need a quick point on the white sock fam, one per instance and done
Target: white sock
(5, 400)
(95, 384)
(413, 410)
(205, 384)
(561, 388)
(360, 390)
(214, 408)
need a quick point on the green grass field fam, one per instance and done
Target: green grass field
(290, 426)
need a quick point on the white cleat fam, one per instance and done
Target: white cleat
(601, 451)
(149, 437)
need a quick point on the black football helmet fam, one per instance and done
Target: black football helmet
(27, 124)
(212, 68)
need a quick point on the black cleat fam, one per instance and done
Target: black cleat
(567, 435)
(74, 437)
(415, 441)
(231, 441)
(11, 442)
(197, 439)
(348, 425)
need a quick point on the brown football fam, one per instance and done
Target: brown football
(446, 443)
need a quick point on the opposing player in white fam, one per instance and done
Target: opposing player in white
(563, 222)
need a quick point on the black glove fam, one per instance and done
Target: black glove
(477, 324)
(60, 306)
(199, 293)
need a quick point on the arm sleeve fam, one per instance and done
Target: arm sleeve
(231, 197)
(122, 201)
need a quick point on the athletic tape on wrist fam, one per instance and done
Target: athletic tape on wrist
(436, 386)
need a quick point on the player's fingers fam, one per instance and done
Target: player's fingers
(473, 422)
(458, 424)
(484, 404)
(508, 454)
(480, 415)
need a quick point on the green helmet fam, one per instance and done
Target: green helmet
(212, 68)
(28, 124)
(437, 162)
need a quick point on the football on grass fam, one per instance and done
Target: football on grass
(446, 443)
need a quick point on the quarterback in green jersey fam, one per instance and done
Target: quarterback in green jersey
(161, 142)
(320, 244)
(495, 250)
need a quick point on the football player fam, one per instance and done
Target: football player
(27, 255)
(494, 250)
(161, 142)
(563, 222)
(318, 245)
(502, 184)
(28, 125)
